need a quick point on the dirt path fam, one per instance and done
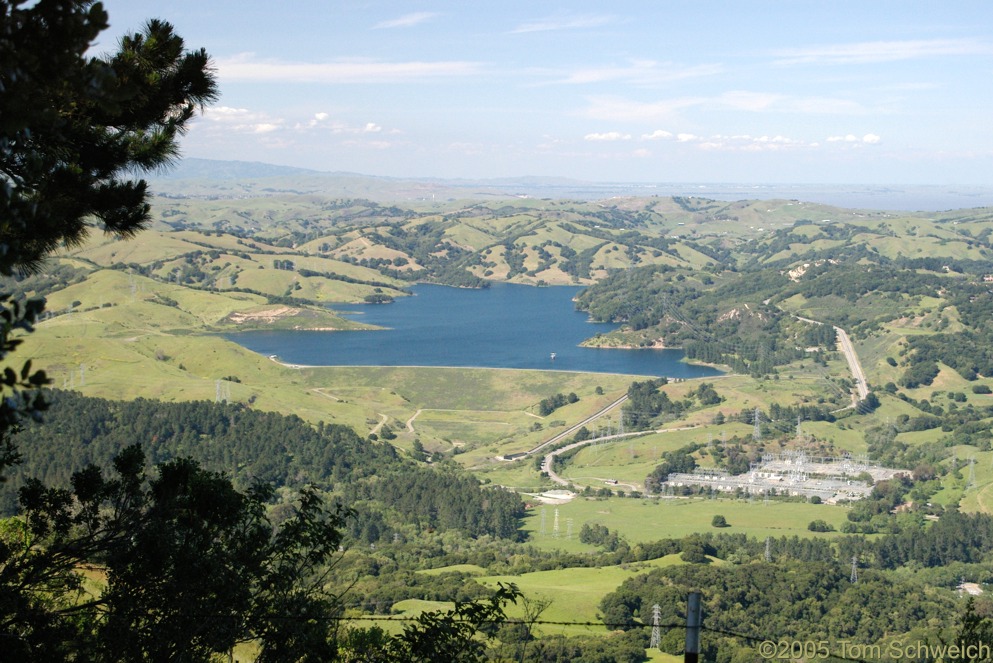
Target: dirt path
(410, 422)
(320, 391)
(379, 426)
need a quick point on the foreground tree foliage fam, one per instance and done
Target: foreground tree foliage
(74, 127)
(192, 567)
(436, 636)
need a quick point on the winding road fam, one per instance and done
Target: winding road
(546, 463)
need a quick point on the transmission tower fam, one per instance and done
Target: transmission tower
(555, 525)
(568, 529)
(222, 391)
(855, 569)
(768, 548)
(757, 431)
(972, 472)
(799, 430)
(542, 531)
(656, 642)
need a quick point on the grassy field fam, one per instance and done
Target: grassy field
(574, 594)
(640, 520)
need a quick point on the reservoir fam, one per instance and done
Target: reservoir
(503, 326)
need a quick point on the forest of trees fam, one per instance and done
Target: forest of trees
(249, 446)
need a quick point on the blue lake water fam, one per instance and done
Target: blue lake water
(504, 326)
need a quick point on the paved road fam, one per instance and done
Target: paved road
(546, 463)
(854, 365)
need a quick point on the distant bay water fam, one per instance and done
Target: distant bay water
(503, 326)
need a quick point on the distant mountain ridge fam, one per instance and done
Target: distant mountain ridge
(210, 169)
(210, 178)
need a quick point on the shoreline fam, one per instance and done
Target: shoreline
(659, 345)
(656, 345)
(284, 364)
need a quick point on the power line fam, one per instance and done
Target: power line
(541, 622)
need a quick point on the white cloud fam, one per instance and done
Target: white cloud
(242, 120)
(757, 102)
(749, 101)
(564, 23)
(882, 51)
(658, 134)
(743, 142)
(616, 109)
(247, 68)
(323, 121)
(406, 21)
(747, 143)
(852, 139)
(641, 153)
(824, 106)
(609, 136)
(624, 110)
(638, 72)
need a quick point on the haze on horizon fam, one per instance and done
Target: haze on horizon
(754, 91)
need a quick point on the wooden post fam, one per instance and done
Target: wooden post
(693, 619)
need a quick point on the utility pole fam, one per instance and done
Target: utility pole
(693, 619)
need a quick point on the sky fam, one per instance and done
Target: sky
(747, 91)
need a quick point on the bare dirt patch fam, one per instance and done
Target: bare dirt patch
(266, 316)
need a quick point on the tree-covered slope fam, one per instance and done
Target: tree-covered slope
(249, 445)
